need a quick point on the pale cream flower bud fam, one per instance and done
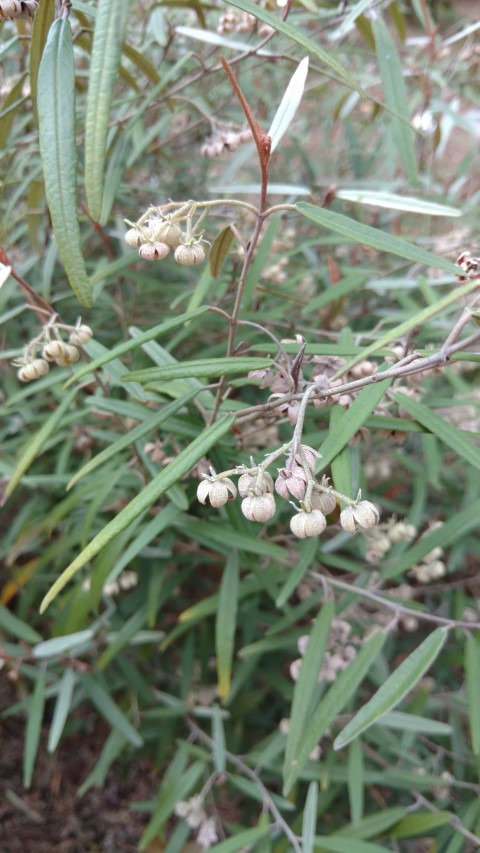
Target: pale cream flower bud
(306, 524)
(135, 237)
(347, 520)
(80, 335)
(153, 251)
(259, 508)
(365, 514)
(70, 356)
(162, 231)
(216, 493)
(54, 350)
(189, 255)
(36, 368)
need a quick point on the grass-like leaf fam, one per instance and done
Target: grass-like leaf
(62, 708)
(332, 704)
(196, 369)
(110, 24)
(16, 627)
(472, 677)
(309, 821)
(225, 625)
(357, 232)
(158, 486)
(109, 709)
(58, 149)
(34, 727)
(446, 432)
(289, 104)
(392, 201)
(396, 97)
(394, 688)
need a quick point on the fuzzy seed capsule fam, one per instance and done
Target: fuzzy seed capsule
(135, 237)
(323, 501)
(306, 524)
(80, 335)
(257, 484)
(33, 370)
(54, 350)
(216, 493)
(11, 9)
(364, 514)
(189, 255)
(153, 251)
(259, 508)
(70, 356)
(165, 232)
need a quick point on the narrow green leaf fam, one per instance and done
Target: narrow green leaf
(37, 443)
(350, 421)
(374, 825)
(358, 233)
(132, 436)
(289, 104)
(241, 840)
(174, 789)
(126, 633)
(195, 369)
(110, 25)
(395, 687)
(109, 710)
(218, 737)
(136, 342)
(356, 781)
(158, 486)
(333, 844)
(307, 688)
(341, 467)
(392, 201)
(62, 708)
(413, 723)
(62, 645)
(395, 91)
(292, 32)
(472, 679)
(226, 624)
(58, 149)
(16, 627)
(34, 727)
(332, 704)
(446, 432)
(41, 26)
(309, 820)
(419, 823)
(220, 249)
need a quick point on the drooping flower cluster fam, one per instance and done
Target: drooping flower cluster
(224, 139)
(432, 566)
(158, 231)
(317, 500)
(341, 649)
(194, 814)
(49, 348)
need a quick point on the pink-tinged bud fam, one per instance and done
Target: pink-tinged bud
(259, 508)
(255, 484)
(153, 251)
(306, 524)
(291, 482)
(216, 493)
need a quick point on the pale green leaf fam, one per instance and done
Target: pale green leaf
(333, 844)
(419, 823)
(34, 727)
(16, 627)
(226, 623)
(110, 25)
(309, 820)
(62, 645)
(158, 486)
(357, 232)
(62, 708)
(195, 369)
(472, 680)
(289, 104)
(241, 840)
(58, 149)
(392, 201)
(110, 710)
(393, 690)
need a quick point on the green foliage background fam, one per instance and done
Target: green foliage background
(104, 113)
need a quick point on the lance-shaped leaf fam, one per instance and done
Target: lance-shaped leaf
(220, 249)
(195, 369)
(394, 688)
(472, 679)
(158, 486)
(56, 116)
(110, 24)
(289, 104)
(225, 625)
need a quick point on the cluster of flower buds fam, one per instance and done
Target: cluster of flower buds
(49, 347)
(341, 649)
(155, 236)
(256, 487)
(193, 812)
(242, 22)
(10, 9)
(224, 139)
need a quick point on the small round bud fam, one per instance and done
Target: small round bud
(166, 232)
(33, 370)
(70, 356)
(323, 501)
(80, 335)
(216, 493)
(365, 514)
(135, 237)
(306, 524)
(347, 520)
(189, 255)
(291, 482)
(259, 507)
(54, 350)
(153, 251)
(256, 484)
